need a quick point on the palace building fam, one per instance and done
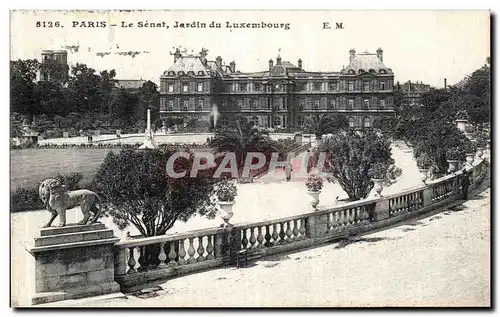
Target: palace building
(280, 97)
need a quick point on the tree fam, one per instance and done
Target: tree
(241, 140)
(149, 97)
(22, 86)
(349, 160)
(136, 190)
(385, 124)
(324, 124)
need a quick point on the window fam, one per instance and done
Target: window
(316, 105)
(258, 86)
(185, 105)
(170, 87)
(332, 104)
(162, 105)
(225, 121)
(200, 87)
(382, 85)
(301, 104)
(242, 87)
(185, 87)
(317, 86)
(251, 103)
(332, 86)
(350, 86)
(255, 121)
(239, 104)
(199, 107)
(351, 104)
(366, 86)
(201, 73)
(301, 87)
(170, 105)
(351, 122)
(276, 121)
(242, 120)
(300, 121)
(277, 87)
(366, 122)
(366, 103)
(382, 104)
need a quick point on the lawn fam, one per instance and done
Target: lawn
(29, 167)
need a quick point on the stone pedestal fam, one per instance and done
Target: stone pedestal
(73, 262)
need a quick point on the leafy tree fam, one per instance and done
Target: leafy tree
(324, 124)
(22, 86)
(136, 189)
(241, 140)
(349, 160)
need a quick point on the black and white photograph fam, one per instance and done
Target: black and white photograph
(250, 158)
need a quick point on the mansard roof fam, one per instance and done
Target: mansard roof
(366, 62)
(129, 83)
(188, 63)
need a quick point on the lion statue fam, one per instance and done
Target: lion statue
(57, 199)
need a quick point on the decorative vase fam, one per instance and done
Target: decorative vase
(378, 186)
(453, 165)
(226, 212)
(469, 158)
(423, 174)
(315, 198)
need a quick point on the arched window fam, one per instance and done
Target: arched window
(180, 73)
(191, 73)
(351, 122)
(351, 71)
(255, 121)
(201, 73)
(361, 71)
(382, 71)
(366, 122)
(171, 73)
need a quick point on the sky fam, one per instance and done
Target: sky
(425, 46)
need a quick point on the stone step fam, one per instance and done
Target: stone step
(65, 238)
(71, 228)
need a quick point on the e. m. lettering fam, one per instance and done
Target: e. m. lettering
(333, 25)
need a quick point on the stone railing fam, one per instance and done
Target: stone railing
(142, 261)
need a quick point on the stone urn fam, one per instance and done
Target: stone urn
(226, 212)
(423, 174)
(378, 186)
(315, 198)
(453, 166)
(469, 158)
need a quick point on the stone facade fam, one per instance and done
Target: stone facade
(280, 97)
(54, 66)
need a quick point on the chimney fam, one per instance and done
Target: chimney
(299, 63)
(271, 62)
(177, 54)
(352, 53)
(232, 66)
(278, 60)
(218, 62)
(445, 86)
(203, 56)
(380, 54)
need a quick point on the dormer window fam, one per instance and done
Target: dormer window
(372, 71)
(191, 73)
(351, 72)
(382, 71)
(180, 73)
(361, 71)
(201, 73)
(171, 73)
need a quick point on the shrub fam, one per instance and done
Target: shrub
(314, 183)
(226, 190)
(25, 199)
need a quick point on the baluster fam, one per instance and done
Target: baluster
(282, 233)
(391, 207)
(334, 222)
(244, 240)
(162, 256)
(341, 218)
(201, 250)
(142, 258)
(260, 237)
(182, 252)
(295, 230)
(357, 216)
(302, 229)
(350, 216)
(172, 254)
(191, 251)
(267, 237)
(405, 203)
(131, 261)
(252, 240)
(275, 234)
(210, 248)
(288, 230)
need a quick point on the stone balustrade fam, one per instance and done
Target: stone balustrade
(142, 262)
